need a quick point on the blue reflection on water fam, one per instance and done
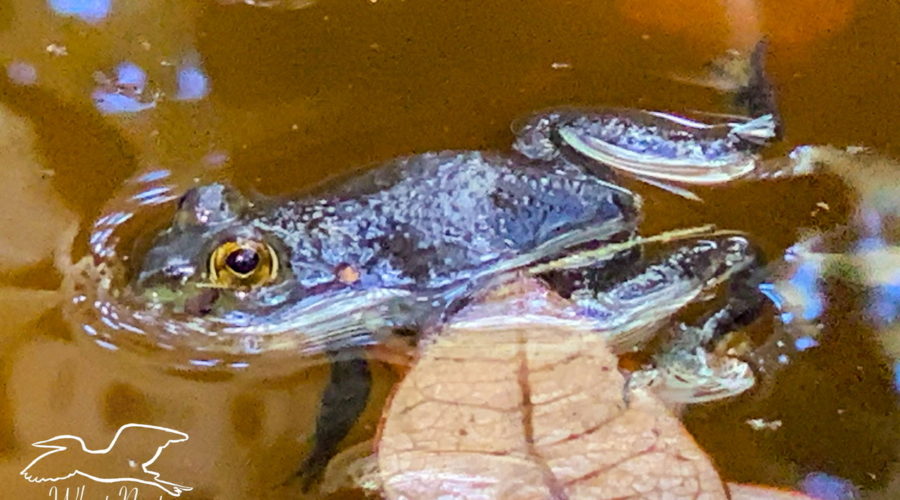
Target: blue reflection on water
(192, 83)
(129, 73)
(204, 362)
(91, 11)
(153, 196)
(153, 175)
(806, 280)
(804, 343)
(897, 376)
(125, 93)
(827, 487)
(117, 103)
(884, 302)
(21, 73)
(106, 345)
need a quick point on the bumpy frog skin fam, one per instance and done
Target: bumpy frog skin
(416, 234)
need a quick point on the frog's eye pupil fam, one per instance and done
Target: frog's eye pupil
(242, 261)
(242, 264)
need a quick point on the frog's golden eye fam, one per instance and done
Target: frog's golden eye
(242, 264)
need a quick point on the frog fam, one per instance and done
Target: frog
(400, 247)
(396, 249)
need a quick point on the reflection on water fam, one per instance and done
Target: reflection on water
(279, 100)
(827, 487)
(193, 83)
(91, 11)
(123, 91)
(21, 73)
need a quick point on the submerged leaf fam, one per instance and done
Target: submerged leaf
(19, 306)
(517, 398)
(519, 401)
(32, 217)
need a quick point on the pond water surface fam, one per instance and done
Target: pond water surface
(279, 99)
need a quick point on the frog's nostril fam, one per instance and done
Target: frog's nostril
(202, 303)
(171, 273)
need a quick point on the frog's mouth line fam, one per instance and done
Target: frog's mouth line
(115, 319)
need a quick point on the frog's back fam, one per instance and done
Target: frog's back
(435, 219)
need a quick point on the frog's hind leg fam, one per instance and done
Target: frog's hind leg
(342, 403)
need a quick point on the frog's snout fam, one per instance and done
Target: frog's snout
(159, 269)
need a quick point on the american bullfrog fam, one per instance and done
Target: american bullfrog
(397, 249)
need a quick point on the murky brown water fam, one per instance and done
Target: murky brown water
(297, 96)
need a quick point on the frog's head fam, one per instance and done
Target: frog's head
(212, 258)
(220, 279)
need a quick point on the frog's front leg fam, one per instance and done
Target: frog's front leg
(685, 371)
(342, 403)
(632, 311)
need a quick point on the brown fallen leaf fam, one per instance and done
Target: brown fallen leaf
(519, 399)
